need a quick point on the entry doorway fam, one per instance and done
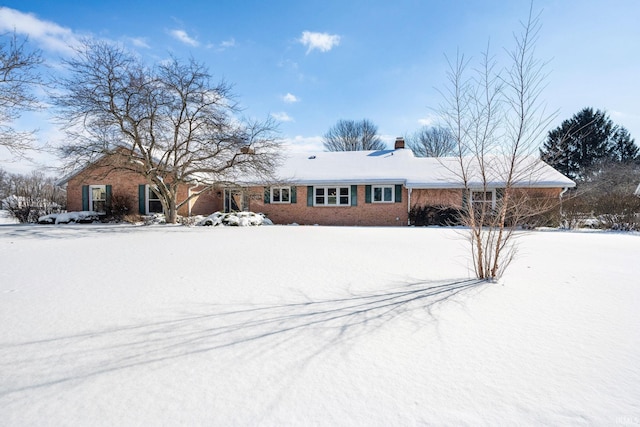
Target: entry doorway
(235, 200)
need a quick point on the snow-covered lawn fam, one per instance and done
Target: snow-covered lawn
(5, 218)
(166, 325)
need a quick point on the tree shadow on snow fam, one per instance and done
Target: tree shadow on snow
(307, 327)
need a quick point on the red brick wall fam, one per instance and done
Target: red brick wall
(122, 183)
(421, 198)
(126, 183)
(363, 214)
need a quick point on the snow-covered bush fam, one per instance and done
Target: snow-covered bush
(238, 219)
(154, 219)
(67, 217)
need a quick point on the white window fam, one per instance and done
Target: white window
(154, 205)
(383, 194)
(98, 198)
(332, 196)
(280, 194)
(482, 197)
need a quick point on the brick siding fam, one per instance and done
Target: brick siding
(373, 214)
(125, 183)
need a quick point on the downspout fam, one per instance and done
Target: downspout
(409, 206)
(564, 190)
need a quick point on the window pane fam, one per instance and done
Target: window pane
(331, 196)
(319, 191)
(155, 206)
(285, 195)
(344, 191)
(388, 194)
(276, 194)
(344, 200)
(482, 196)
(377, 194)
(98, 206)
(152, 195)
(99, 193)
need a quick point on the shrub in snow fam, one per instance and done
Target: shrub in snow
(434, 215)
(238, 219)
(121, 206)
(153, 219)
(67, 217)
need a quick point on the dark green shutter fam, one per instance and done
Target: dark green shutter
(310, 195)
(294, 195)
(85, 197)
(108, 196)
(367, 194)
(267, 195)
(142, 201)
(398, 193)
(354, 195)
(465, 198)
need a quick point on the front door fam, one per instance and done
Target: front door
(235, 200)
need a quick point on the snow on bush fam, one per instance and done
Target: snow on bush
(67, 217)
(238, 219)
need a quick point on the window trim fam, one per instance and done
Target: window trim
(103, 187)
(488, 190)
(280, 188)
(392, 188)
(326, 196)
(148, 199)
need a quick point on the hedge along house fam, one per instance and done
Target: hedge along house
(375, 188)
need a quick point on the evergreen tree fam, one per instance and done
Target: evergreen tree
(588, 139)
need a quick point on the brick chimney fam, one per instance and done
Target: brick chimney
(399, 143)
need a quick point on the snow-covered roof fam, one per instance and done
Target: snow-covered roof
(401, 166)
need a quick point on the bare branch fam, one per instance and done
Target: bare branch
(18, 77)
(173, 125)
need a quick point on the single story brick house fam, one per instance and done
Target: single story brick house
(326, 188)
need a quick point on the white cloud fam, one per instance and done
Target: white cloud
(182, 36)
(290, 98)
(139, 42)
(304, 144)
(228, 43)
(282, 117)
(222, 46)
(49, 35)
(429, 120)
(324, 42)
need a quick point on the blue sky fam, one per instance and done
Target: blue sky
(311, 63)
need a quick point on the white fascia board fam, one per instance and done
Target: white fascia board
(326, 182)
(474, 185)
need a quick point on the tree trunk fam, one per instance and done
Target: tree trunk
(172, 211)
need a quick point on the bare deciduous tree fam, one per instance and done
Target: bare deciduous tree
(351, 135)
(31, 196)
(498, 121)
(169, 123)
(18, 76)
(432, 142)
